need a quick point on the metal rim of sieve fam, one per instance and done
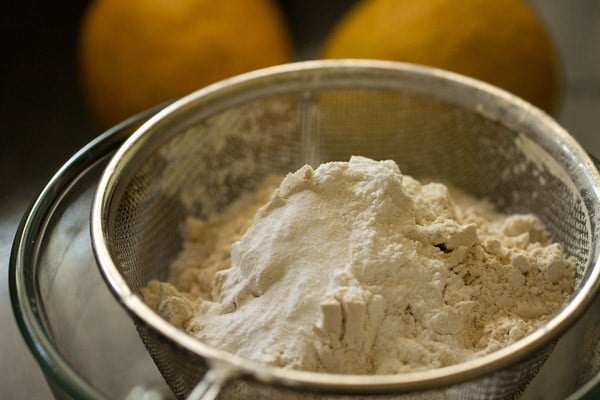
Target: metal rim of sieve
(483, 98)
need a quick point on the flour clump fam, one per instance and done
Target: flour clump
(355, 268)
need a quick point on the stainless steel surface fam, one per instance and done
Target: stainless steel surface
(44, 120)
(432, 123)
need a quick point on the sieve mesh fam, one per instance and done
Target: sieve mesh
(182, 372)
(204, 161)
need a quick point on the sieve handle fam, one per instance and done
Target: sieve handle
(211, 384)
(207, 389)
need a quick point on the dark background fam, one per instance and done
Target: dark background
(42, 115)
(42, 112)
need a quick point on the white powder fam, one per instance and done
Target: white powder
(355, 268)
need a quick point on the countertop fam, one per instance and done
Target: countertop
(43, 121)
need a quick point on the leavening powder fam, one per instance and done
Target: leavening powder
(355, 268)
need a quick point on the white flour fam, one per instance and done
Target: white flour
(355, 268)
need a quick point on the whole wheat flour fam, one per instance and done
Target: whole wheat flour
(355, 268)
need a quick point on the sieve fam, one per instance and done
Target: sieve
(202, 152)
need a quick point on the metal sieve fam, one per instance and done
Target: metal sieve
(200, 153)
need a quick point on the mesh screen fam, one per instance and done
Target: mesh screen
(182, 371)
(205, 166)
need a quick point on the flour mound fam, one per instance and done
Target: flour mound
(355, 268)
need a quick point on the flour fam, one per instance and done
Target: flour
(355, 268)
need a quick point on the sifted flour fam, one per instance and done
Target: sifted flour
(355, 268)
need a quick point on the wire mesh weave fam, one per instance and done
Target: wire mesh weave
(203, 162)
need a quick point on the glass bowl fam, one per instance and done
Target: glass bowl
(85, 343)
